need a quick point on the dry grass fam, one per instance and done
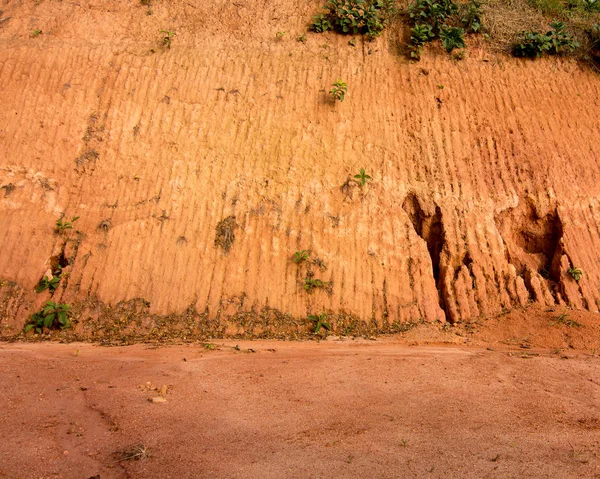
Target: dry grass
(134, 453)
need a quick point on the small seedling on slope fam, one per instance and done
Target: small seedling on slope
(48, 284)
(167, 37)
(52, 315)
(279, 35)
(300, 256)
(310, 284)
(576, 273)
(65, 225)
(339, 90)
(36, 33)
(320, 322)
(301, 38)
(362, 177)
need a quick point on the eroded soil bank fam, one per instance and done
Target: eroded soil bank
(199, 170)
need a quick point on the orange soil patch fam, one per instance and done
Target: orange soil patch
(280, 409)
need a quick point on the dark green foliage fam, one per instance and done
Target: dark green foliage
(470, 16)
(51, 316)
(591, 5)
(442, 19)
(420, 34)
(452, 37)
(367, 17)
(432, 12)
(555, 42)
(50, 284)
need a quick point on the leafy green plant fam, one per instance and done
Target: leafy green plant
(49, 284)
(556, 41)
(362, 177)
(320, 322)
(313, 283)
(470, 16)
(300, 256)
(65, 225)
(36, 33)
(368, 17)
(431, 12)
(452, 37)
(576, 273)
(51, 316)
(420, 34)
(339, 90)
(167, 37)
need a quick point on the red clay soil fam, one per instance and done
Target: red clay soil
(198, 170)
(286, 410)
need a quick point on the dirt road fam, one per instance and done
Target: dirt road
(285, 410)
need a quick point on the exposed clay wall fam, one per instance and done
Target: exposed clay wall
(485, 172)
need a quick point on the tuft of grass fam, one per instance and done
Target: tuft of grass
(65, 225)
(136, 452)
(576, 273)
(563, 320)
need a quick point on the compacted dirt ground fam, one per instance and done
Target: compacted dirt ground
(378, 409)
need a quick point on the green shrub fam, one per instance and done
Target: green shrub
(420, 34)
(51, 316)
(452, 37)
(432, 12)
(368, 17)
(556, 42)
(470, 16)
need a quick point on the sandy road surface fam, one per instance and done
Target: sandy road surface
(351, 409)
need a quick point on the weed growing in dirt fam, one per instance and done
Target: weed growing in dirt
(339, 90)
(279, 35)
(576, 273)
(554, 42)
(313, 283)
(320, 322)
(65, 225)
(300, 256)
(36, 33)
(167, 38)
(51, 316)
(134, 453)
(210, 346)
(367, 17)
(362, 177)
(301, 38)
(564, 320)
(50, 284)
